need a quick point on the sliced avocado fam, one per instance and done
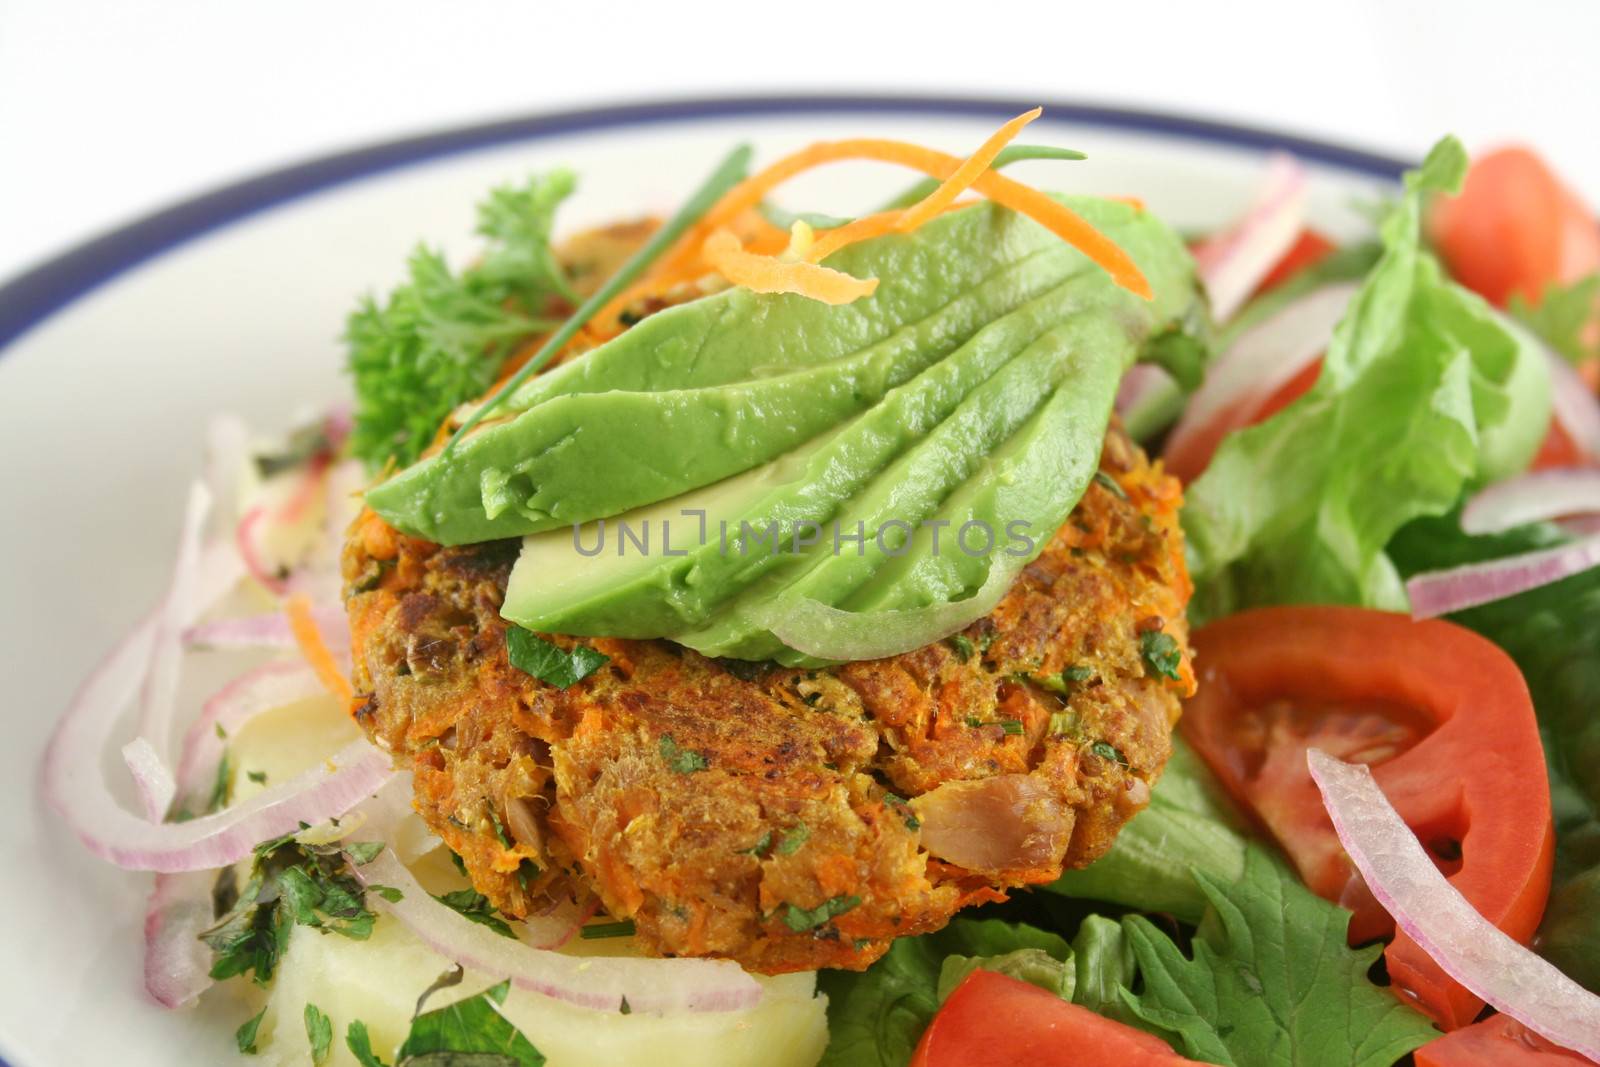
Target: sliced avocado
(1044, 456)
(677, 593)
(737, 335)
(579, 563)
(538, 471)
(1007, 426)
(912, 488)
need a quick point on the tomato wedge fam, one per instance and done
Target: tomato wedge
(1515, 228)
(1309, 249)
(1441, 715)
(1498, 1041)
(994, 1020)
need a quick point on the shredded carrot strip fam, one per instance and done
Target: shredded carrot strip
(686, 257)
(867, 226)
(769, 274)
(1062, 221)
(312, 647)
(966, 174)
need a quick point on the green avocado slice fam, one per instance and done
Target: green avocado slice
(737, 335)
(674, 594)
(538, 471)
(912, 488)
(1013, 493)
(1003, 424)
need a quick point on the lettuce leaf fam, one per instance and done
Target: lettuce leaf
(1271, 980)
(876, 1017)
(1424, 391)
(1553, 633)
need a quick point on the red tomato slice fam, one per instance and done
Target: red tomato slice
(1559, 450)
(1193, 453)
(1515, 228)
(1189, 461)
(1309, 249)
(1441, 715)
(992, 1020)
(1498, 1041)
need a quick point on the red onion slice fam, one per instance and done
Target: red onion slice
(1435, 593)
(157, 787)
(269, 631)
(1233, 263)
(177, 964)
(1438, 918)
(1574, 406)
(200, 577)
(75, 785)
(1263, 359)
(263, 689)
(227, 451)
(659, 985)
(1537, 497)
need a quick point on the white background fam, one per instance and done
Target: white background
(111, 109)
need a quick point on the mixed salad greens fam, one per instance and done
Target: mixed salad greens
(1337, 453)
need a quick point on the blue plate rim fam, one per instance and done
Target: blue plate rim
(51, 286)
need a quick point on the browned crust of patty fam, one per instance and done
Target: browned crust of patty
(812, 780)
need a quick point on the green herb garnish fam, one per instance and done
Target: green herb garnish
(1012, 727)
(549, 663)
(468, 1033)
(792, 839)
(471, 904)
(290, 884)
(1110, 485)
(681, 760)
(319, 1033)
(245, 1036)
(442, 337)
(723, 178)
(1161, 653)
(802, 919)
(962, 646)
(1107, 751)
(304, 445)
(601, 931)
(760, 847)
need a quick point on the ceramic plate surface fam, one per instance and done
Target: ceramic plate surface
(113, 356)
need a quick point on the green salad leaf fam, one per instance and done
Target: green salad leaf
(1553, 633)
(441, 337)
(876, 1017)
(1424, 391)
(1103, 958)
(1271, 979)
(1564, 316)
(1032, 965)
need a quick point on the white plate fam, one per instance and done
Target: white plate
(118, 352)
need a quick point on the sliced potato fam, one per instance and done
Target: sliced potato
(378, 981)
